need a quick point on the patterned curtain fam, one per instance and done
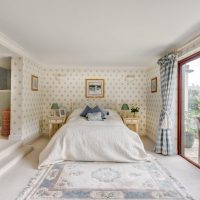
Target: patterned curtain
(164, 137)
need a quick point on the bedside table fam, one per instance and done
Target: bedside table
(55, 123)
(132, 123)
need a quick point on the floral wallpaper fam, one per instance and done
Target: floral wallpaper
(32, 111)
(16, 98)
(26, 105)
(66, 86)
(154, 104)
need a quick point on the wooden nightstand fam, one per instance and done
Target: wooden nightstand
(55, 123)
(132, 123)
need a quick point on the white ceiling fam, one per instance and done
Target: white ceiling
(100, 32)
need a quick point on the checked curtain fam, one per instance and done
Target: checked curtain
(164, 143)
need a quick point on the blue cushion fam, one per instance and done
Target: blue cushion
(86, 111)
(97, 109)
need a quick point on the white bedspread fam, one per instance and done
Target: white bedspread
(82, 140)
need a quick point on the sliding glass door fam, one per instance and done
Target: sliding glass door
(189, 108)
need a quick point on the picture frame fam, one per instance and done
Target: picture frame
(62, 112)
(34, 83)
(94, 88)
(154, 85)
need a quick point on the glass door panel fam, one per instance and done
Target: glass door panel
(190, 109)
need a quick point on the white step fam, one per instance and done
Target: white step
(8, 147)
(7, 162)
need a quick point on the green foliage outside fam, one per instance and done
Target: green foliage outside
(193, 111)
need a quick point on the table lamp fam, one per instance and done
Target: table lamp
(125, 107)
(54, 107)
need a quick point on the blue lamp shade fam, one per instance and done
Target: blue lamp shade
(54, 106)
(125, 107)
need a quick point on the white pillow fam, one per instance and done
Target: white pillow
(94, 116)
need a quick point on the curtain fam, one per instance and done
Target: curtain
(164, 143)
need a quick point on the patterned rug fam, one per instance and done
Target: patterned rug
(92, 180)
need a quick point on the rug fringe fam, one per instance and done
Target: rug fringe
(32, 182)
(177, 182)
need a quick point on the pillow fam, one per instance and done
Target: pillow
(86, 111)
(96, 116)
(105, 112)
(97, 109)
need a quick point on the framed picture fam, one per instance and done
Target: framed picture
(154, 85)
(34, 83)
(62, 113)
(94, 88)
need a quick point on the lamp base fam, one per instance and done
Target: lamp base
(53, 113)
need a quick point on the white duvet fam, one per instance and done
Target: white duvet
(83, 140)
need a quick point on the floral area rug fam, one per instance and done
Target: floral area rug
(93, 180)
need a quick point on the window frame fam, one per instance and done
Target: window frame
(180, 64)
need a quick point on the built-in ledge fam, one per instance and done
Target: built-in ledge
(5, 90)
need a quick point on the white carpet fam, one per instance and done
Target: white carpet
(16, 179)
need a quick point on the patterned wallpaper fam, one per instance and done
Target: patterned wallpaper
(154, 106)
(66, 86)
(26, 105)
(16, 98)
(70, 88)
(32, 111)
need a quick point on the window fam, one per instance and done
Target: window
(189, 108)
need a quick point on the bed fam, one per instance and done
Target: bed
(82, 140)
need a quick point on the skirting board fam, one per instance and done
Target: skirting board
(27, 140)
(150, 138)
(31, 138)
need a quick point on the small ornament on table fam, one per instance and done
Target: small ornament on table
(135, 110)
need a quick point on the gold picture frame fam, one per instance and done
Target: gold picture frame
(94, 88)
(34, 83)
(154, 85)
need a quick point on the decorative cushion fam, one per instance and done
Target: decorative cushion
(97, 109)
(94, 116)
(106, 113)
(86, 111)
